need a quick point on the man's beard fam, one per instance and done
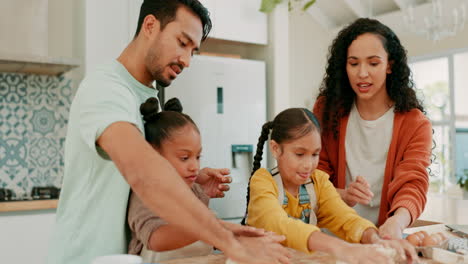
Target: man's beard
(155, 70)
(161, 82)
(158, 75)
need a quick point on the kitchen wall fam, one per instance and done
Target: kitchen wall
(33, 117)
(34, 108)
(308, 53)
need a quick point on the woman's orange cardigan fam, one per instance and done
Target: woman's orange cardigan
(406, 178)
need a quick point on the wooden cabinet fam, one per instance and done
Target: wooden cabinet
(238, 20)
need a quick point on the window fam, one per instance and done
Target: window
(460, 61)
(431, 78)
(441, 83)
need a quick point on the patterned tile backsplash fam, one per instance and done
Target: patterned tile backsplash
(33, 119)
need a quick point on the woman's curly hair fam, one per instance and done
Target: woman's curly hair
(336, 90)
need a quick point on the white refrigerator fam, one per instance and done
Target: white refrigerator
(227, 100)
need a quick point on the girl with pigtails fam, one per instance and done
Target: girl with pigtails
(296, 200)
(177, 138)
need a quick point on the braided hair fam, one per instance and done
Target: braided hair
(160, 125)
(289, 125)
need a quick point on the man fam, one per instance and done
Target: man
(105, 142)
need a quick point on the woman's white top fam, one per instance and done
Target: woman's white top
(366, 145)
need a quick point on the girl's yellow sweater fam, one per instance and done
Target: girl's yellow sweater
(264, 211)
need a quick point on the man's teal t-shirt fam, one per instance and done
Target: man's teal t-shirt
(91, 215)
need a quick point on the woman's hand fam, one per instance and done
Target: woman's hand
(357, 191)
(394, 225)
(391, 229)
(403, 248)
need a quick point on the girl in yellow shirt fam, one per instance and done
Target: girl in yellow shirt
(296, 200)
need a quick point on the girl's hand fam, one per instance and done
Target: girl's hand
(403, 248)
(358, 192)
(362, 254)
(214, 182)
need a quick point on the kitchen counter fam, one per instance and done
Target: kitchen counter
(446, 208)
(302, 258)
(298, 258)
(14, 206)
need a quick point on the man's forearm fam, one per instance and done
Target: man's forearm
(159, 186)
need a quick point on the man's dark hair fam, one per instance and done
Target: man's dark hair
(165, 12)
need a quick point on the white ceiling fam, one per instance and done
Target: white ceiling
(333, 14)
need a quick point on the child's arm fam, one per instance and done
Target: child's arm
(344, 251)
(333, 213)
(153, 232)
(169, 237)
(265, 212)
(346, 223)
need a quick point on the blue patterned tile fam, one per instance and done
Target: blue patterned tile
(43, 121)
(33, 120)
(43, 90)
(13, 87)
(15, 152)
(12, 120)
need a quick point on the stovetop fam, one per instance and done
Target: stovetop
(37, 193)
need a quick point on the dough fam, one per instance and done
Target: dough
(390, 252)
(229, 261)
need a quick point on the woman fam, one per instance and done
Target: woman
(376, 139)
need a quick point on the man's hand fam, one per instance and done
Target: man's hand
(214, 181)
(358, 192)
(260, 250)
(243, 230)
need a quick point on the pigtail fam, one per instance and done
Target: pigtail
(149, 108)
(257, 159)
(261, 142)
(173, 104)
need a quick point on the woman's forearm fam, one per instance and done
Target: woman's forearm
(403, 217)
